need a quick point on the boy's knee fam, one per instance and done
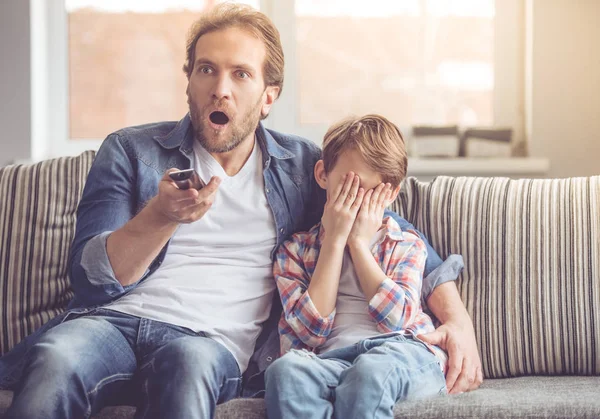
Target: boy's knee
(293, 365)
(371, 369)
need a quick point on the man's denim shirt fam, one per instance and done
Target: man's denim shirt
(125, 176)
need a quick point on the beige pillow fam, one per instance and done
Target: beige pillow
(37, 222)
(531, 281)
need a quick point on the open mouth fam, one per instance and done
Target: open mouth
(218, 118)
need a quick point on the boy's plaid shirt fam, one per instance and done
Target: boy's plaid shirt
(396, 307)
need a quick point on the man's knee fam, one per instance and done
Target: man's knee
(197, 358)
(77, 347)
(57, 359)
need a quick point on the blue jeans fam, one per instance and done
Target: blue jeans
(364, 380)
(90, 361)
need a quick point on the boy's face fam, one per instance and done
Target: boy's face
(349, 161)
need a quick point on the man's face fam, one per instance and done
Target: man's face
(226, 90)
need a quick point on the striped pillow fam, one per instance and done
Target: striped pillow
(531, 281)
(37, 223)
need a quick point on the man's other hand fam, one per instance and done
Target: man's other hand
(464, 365)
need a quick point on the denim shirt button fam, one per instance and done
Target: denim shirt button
(267, 190)
(281, 230)
(269, 358)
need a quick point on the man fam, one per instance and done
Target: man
(172, 287)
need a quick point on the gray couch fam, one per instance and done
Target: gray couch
(531, 282)
(525, 397)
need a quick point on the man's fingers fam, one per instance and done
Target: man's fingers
(465, 378)
(478, 379)
(455, 363)
(168, 171)
(433, 338)
(210, 189)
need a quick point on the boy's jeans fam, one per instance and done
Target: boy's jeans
(364, 380)
(89, 362)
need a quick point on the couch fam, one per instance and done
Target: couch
(531, 281)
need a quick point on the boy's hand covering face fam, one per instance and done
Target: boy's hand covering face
(341, 208)
(370, 215)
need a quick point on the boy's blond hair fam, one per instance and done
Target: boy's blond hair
(230, 15)
(379, 142)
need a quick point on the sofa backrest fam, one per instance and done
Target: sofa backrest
(531, 281)
(37, 222)
(531, 247)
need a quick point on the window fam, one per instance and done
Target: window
(125, 60)
(101, 66)
(433, 62)
(112, 64)
(417, 62)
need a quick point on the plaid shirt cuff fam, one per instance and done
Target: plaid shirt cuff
(385, 300)
(312, 319)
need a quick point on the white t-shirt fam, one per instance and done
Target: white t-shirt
(352, 321)
(217, 274)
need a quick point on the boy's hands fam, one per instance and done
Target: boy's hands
(341, 209)
(368, 220)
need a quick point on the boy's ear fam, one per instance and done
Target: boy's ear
(320, 175)
(395, 193)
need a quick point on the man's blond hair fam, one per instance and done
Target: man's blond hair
(378, 141)
(230, 15)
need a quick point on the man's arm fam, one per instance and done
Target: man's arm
(457, 336)
(132, 248)
(432, 263)
(113, 247)
(107, 204)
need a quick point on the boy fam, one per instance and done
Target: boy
(351, 290)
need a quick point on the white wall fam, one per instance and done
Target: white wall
(15, 85)
(564, 66)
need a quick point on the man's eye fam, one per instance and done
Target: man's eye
(205, 70)
(243, 75)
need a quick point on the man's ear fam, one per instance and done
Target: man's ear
(395, 193)
(271, 94)
(320, 174)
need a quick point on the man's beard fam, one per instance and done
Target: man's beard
(239, 131)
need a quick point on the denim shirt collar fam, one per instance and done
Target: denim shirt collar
(182, 136)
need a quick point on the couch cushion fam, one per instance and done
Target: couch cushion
(528, 397)
(531, 281)
(37, 223)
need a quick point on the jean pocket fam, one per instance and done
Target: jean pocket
(77, 313)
